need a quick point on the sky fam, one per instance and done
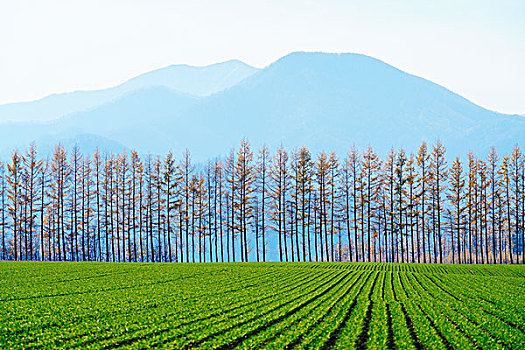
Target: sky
(473, 47)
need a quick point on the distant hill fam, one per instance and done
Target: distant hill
(324, 101)
(196, 81)
(331, 101)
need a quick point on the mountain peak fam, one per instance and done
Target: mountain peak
(326, 101)
(233, 63)
(331, 62)
(194, 80)
(185, 79)
(319, 56)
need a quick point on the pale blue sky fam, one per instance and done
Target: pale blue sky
(475, 48)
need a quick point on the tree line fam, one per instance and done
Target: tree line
(407, 207)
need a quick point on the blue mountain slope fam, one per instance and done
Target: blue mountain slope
(142, 120)
(331, 101)
(146, 119)
(197, 81)
(324, 101)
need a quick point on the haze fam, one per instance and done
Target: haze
(474, 48)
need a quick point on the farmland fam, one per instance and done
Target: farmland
(265, 305)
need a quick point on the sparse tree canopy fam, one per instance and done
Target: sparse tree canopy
(257, 206)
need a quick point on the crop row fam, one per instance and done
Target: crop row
(289, 306)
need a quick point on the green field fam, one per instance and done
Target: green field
(270, 305)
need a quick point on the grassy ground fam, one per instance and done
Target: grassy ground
(270, 305)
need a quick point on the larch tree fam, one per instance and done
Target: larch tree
(322, 168)
(492, 162)
(389, 170)
(123, 181)
(14, 188)
(246, 176)
(231, 205)
(279, 182)
(371, 166)
(346, 191)
(172, 179)
(33, 167)
(516, 162)
(354, 165)
(412, 204)
(472, 205)
(263, 160)
(2, 209)
(333, 199)
(136, 188)
(97, 169)
(76, 161)
(211, 206)
(506, 184)
(438, 167)
(89, 241)
(59, 187)
(187, 169)
(107, 199)
(423, 159)
(219, 223)
(159, 202)
(400, 205)
(456, 196)
(303, 180)
(483, 210)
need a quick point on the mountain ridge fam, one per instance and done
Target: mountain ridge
(323, 101)
(209, 79)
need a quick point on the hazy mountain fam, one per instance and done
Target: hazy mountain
(196, 81)
(331, 101)
(324, 101)
(140, 119)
